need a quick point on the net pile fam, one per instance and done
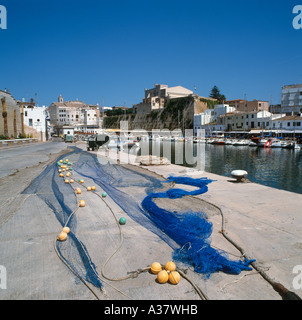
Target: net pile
(191, 231)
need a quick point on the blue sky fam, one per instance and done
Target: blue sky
(113, 50)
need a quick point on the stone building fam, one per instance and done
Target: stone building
(157, 97)
(10, 116)
(249, 106)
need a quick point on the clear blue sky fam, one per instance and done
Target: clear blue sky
(113, 50)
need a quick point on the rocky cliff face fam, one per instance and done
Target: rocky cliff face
(177, 114)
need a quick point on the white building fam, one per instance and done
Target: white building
(34, 117)
(291, 99)
(210, 119)
(287, 123)
(84, 118)
(246, 121)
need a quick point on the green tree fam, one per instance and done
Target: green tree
(215, 94)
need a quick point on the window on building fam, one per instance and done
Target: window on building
(25, 113)
(298, 124)
(30, 122)
(288, 124)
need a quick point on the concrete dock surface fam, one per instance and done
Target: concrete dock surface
(266, 222)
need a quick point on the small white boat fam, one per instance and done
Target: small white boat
(240, 143)
(288, 145)
(276, 144)
(228, 142)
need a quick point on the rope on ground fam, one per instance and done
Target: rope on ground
(278, 287)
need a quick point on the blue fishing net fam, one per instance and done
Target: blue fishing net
(61, 199)
(187, 233)
(191, 231)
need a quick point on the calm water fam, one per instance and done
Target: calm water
(277, 168)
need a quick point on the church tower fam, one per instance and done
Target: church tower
(60, 99)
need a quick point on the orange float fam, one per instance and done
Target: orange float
(162, 276)
(82, 203)
(155, 267)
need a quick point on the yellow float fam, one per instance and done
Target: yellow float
(82, 203)
(93, 188)
(88, 188)
(66, 230)
(170, 266)
(155, 267)
(162, 276)
(174, 277)
(62, 236)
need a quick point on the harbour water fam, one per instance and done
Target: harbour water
(277, 168)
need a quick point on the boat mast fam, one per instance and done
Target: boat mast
(294, 123)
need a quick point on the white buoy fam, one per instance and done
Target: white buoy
(239, 174)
